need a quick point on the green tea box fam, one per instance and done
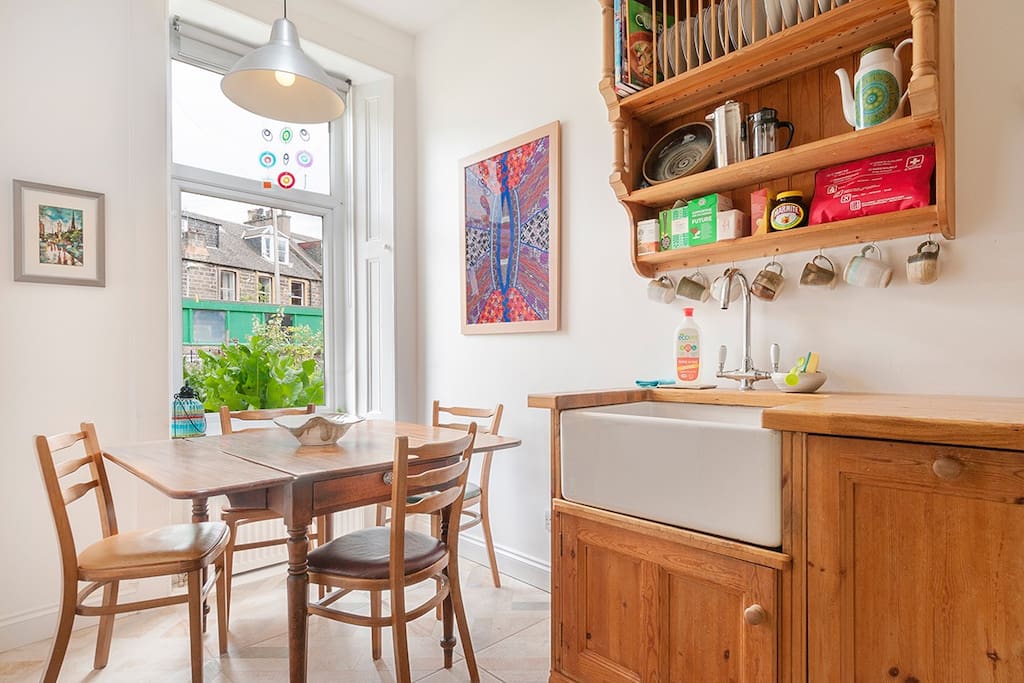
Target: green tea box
(703, 218)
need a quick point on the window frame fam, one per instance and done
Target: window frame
(221, 272)
(270, 288)
(291, 291)
(337, 238)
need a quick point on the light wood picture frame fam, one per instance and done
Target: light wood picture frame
(509, 235)
(58, 235)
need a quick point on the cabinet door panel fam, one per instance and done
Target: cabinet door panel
(914, 569)
(638, 608)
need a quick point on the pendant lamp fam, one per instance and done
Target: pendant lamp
(281, 82)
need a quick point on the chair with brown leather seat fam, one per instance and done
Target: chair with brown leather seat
(390, 558)
(121, 556)
(477, 495)
(235, 517)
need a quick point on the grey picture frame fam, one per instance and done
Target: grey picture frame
(29, 230)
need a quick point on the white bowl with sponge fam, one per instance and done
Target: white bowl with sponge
(803, 378)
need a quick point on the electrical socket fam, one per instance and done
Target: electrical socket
(547, 521)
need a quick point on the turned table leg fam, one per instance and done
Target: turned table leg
(297, 586)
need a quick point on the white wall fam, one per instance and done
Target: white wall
(494, 70)
(85, 107)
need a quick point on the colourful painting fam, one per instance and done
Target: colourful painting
(58, 235)
(510, 235)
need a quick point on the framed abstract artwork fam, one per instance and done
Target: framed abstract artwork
(58, 235)
(509, 235)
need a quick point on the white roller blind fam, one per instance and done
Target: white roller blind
(208, 49)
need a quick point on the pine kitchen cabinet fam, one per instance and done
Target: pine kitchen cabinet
(903, 523)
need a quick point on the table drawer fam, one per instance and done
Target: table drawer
(330, 495)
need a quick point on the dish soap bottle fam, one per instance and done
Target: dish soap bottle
(687, 349)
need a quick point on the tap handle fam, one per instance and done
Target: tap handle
(722, 351)
(774, 353)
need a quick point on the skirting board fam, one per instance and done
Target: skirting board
(27, 627)
(511, 563)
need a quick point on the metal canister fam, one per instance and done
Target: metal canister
(730, 124)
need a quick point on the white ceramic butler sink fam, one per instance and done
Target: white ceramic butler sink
(709, 468)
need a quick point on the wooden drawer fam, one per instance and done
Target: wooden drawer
(360, 489)
(992, 475)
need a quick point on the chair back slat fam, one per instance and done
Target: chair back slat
(440, 477)
(73, 493)
(59, 442)
(434, 502)
(441, 449)
(257, 414)
(68, 466)
(494, 414)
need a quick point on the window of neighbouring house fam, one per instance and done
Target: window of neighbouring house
(228, 289)
(264, 286)
(298, 293)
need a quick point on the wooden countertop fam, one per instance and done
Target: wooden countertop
(982, 422)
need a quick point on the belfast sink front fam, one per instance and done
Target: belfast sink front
(710, 468)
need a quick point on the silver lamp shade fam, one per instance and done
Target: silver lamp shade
(281, 82)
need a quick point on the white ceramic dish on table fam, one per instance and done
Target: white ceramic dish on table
(318, 429)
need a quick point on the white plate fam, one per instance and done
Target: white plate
(806, 9)
(825, 5)
(667, 48)
(754, 27)
(773, 9)
(790, 12)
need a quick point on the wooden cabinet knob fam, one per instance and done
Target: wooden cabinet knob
(755, 615)
(947, 468)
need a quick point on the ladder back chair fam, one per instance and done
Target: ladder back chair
(477, 495)
(235, 517)
(120, 556)
(381, 558)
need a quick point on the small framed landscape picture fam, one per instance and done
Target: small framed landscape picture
(58, 235)
(509, 235)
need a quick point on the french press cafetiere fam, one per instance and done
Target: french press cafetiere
(762, 131)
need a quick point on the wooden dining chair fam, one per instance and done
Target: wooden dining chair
(121, 556)
(235, 517)
(390, 558)
(476, 494)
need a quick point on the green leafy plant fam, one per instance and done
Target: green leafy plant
(277, 367)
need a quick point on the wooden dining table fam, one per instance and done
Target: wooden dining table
(267, 468)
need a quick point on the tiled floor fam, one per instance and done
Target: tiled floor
(510, 628)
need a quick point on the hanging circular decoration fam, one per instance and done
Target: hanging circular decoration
(267, 159)
(286, 135)
(285, 158)
(267, 134)
(304, 134)
(286, 180)
(304, 159)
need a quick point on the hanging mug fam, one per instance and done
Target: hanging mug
(923, 266)
(819, 272)
(718, 287)
(662, 290)
(768, 283)
(865, 271)
(694, 287)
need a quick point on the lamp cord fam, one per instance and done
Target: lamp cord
(285, 9)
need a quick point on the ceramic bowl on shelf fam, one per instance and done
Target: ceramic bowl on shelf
(318, 430)
(806, 383)
(682, 151)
